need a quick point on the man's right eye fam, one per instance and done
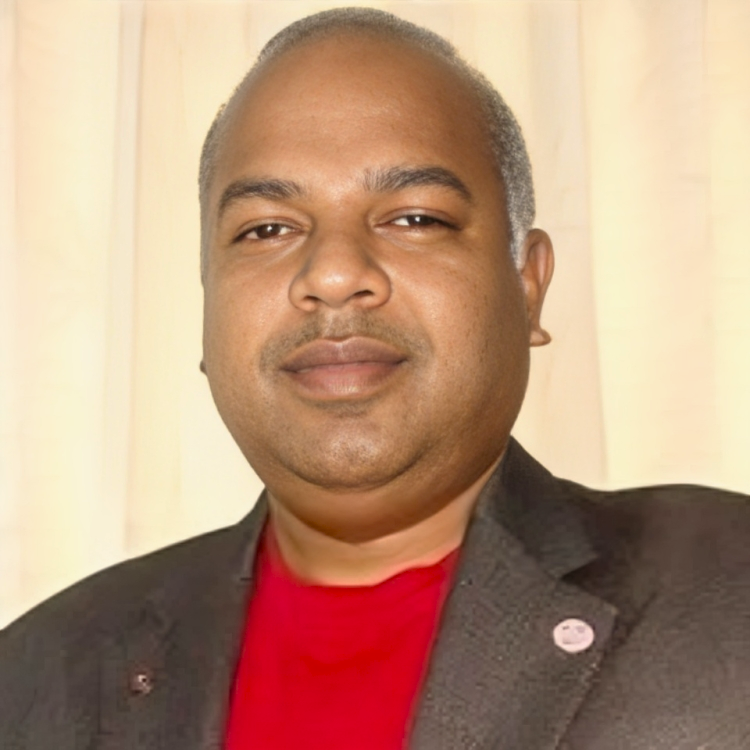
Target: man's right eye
(266, 231)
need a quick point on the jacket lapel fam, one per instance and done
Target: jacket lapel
(167, 676)
(497, 680)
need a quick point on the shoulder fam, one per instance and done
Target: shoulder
(57, 643)
(669, 553)
(669, 522)
(103, 598)
(660, 497)
(662, 531)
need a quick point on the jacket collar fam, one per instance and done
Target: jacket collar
(535, 508)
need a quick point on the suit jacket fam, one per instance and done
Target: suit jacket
(143, 655)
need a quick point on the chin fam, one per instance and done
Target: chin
(353, 464)
(356, 474)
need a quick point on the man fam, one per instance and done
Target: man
(411, 577)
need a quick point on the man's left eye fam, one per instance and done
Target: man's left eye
(417, 221)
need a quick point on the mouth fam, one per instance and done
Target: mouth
(355, 367)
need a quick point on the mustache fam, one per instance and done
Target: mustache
(411, 344)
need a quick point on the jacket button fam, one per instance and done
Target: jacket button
(573, 635)
(141, 682)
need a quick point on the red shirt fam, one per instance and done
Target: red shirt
(333, 667)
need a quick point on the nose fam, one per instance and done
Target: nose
(338, 270)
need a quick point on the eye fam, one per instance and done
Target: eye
(418, 221)
(266, 231)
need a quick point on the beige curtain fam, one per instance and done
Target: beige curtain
(637, 114)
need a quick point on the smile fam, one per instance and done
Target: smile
(355, 367)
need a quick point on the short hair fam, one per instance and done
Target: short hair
(506, 139)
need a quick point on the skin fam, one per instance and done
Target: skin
(369, 364)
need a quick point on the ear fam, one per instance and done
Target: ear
(538, 264)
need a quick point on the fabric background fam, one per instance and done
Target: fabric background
(637, 117)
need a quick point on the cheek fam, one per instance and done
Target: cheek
(236, 321)
(473, 315)
(240, 309)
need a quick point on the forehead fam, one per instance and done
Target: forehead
(357, 97)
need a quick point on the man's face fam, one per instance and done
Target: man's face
(366, 331)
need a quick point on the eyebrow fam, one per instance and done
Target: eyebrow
(399, 178)
(377, 181)
(270, 189)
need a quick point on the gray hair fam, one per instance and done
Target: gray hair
(506, 140)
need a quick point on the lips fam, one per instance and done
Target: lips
(356, 366)
(327, 352)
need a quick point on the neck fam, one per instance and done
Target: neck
(322, 559)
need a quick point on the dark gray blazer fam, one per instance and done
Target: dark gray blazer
(142, 656)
